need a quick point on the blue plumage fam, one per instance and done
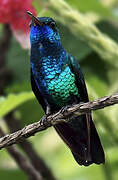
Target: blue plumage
(57, 81)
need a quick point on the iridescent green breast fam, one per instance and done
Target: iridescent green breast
(62, 86)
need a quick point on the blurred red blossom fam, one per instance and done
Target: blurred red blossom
(13, 12)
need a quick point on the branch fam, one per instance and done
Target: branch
(61, 116)
(26, 146)
(22, 162)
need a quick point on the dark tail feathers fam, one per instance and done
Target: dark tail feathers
(74, 134)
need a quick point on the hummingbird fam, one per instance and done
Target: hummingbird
(57, 81)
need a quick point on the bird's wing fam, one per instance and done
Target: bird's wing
(80, 83)
(38, 93)
(95, 150)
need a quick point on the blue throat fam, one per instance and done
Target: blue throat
(45, 43)
(46, 50)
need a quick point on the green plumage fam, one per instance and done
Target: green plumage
(61, 86)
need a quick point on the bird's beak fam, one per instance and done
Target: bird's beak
(34, 19)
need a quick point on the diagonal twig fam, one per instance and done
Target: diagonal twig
(27, 147)
(22, 162)
(58, 117)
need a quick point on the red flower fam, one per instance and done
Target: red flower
(14, 13)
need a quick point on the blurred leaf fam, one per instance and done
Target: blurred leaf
(91, 5)
(9, 103)
(18, 87)
(73, 44)
(30, 112)
(110, 28)
(36, 4)
(96, 71)
(18, 61)
(12, 174)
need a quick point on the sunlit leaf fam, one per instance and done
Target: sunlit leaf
(9, 103)
(91, 5)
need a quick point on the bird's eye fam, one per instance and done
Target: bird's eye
(52, 25)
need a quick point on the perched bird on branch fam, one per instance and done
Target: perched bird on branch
(57, 81)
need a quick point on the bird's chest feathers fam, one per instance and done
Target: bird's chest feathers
(58, 80)
(62, 86)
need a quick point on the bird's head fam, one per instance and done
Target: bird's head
(43, 30)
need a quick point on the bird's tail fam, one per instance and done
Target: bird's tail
(86, 147)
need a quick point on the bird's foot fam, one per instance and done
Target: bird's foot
(64, 110)
(48, 111)
(43, 120)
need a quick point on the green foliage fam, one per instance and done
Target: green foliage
(18, 59)
(91, 5)
(101, 79)
(12, 174)
(11, 102)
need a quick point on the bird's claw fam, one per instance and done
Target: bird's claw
(43, 120)
(64, 110)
